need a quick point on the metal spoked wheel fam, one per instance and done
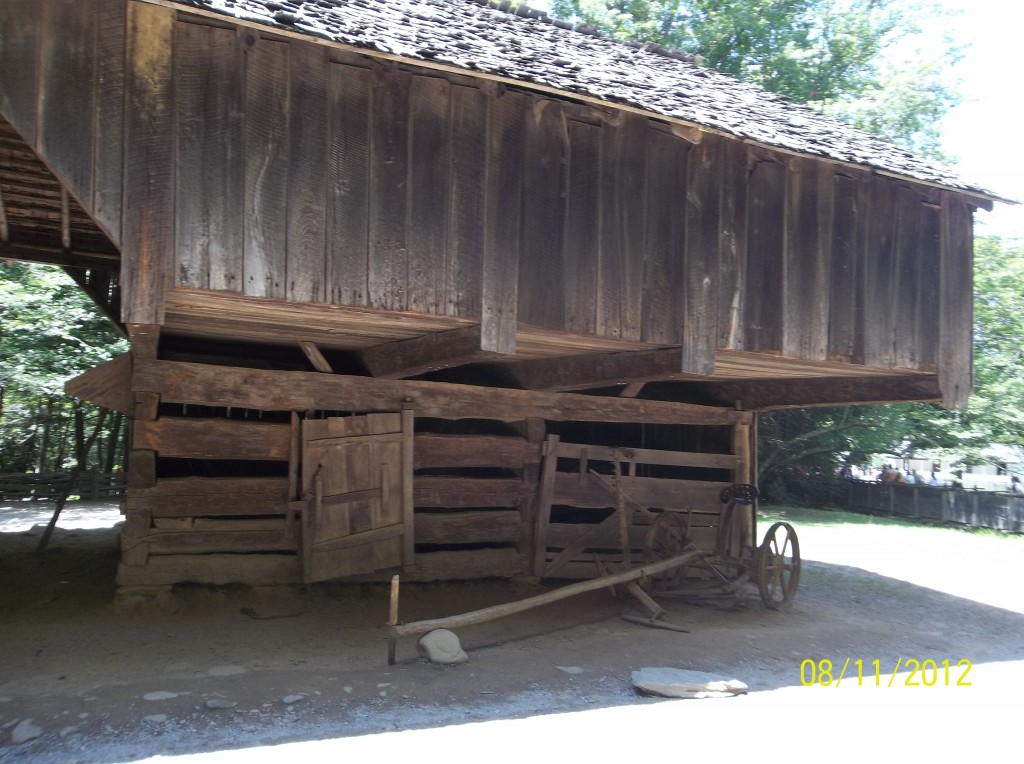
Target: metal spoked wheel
(778, 566)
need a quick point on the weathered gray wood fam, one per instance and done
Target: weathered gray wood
(843, 274)
(541, 270)
(21, 29)
(622, 219)
(107, 385)
(732, 245)
(307, 174)
(879, 275)
(929, 287)
(429, 160)
(108, 173)
(502, 216)
(214, 438)
(431, 352)
(956, 255)
(765, 256)
(348, 109)
(805, 312)
(267, 144)
(388, 192)
(197, 497)
(466, 207)
(299, 391)
(582, 236)
(67, 94)
(148, 222)
(315, 357)
(588, 491)
(218, 569)
(208, 542)
(210, 139)
(500, 611)
(665, 237)
(456, 492)
(701, 275)
(906, 296)
(434, 451)
(647, 456)
(493, 527)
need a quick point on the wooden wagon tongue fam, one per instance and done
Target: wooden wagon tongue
(397, 629)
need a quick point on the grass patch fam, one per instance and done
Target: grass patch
(833, 518)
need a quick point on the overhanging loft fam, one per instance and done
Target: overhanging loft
(311, 209)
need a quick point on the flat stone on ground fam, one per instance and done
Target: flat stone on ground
(441, 646)
(26, 730)
(684, 683)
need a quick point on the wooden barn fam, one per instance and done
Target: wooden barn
(429, 285)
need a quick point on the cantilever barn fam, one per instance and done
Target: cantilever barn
(410, 283)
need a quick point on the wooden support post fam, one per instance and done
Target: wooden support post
(742, 447)
(620, 510)
(408, 506)
(393, 620)
(547, 493)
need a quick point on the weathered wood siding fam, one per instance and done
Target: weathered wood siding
(275, 167)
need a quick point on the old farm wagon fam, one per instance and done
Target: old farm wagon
(432, 286)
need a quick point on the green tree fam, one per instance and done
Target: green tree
(50, 332)
(854, 59)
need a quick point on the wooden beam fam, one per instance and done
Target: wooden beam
(107, 385)
(315, 357)
(631, 390)
(599, 369)
(299, 391)
(5, 231)
(214, 438)
(431, 352)
(35, 253)
(65, 218)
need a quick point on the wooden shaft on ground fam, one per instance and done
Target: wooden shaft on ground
(500, 611)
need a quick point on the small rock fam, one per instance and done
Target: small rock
(5, 699)
(347, 689)
(682, 683)
(155, 718)
(25, 731)
(441, 646)
(570, 669)
(226, 671)
(289, 699)
(215, 703)
(65, 731)
(159, 695)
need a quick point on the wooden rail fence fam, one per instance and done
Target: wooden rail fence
(977, 509)
(50, 486)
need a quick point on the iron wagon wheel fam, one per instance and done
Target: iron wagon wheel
(778, 566)
(666, 537)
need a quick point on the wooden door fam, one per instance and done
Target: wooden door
(358, 471)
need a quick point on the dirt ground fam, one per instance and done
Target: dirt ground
(202, 669)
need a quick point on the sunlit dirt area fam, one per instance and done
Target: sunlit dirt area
(199, 669)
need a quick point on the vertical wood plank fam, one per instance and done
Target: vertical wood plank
(348, 115)
(765, 251)
(210, 178)
(545, 497)
(20, 29)
(880, 274)
(582, 228)
(67, 91)
(408, 507)
(503, 214)
(467, 175)
(957, 309)
(929, 316)
(843, 274)
(664, 239)
(429, 117)
(148, 215)
(108, 174)
(907, 292)
(701, 290)
(307, 174)
(389, 178)
(805, 313)
(266, 165)
(732, 246)
(622, 217)
(541, 270)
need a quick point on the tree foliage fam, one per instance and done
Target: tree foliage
(854, 59)
(50, 332)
